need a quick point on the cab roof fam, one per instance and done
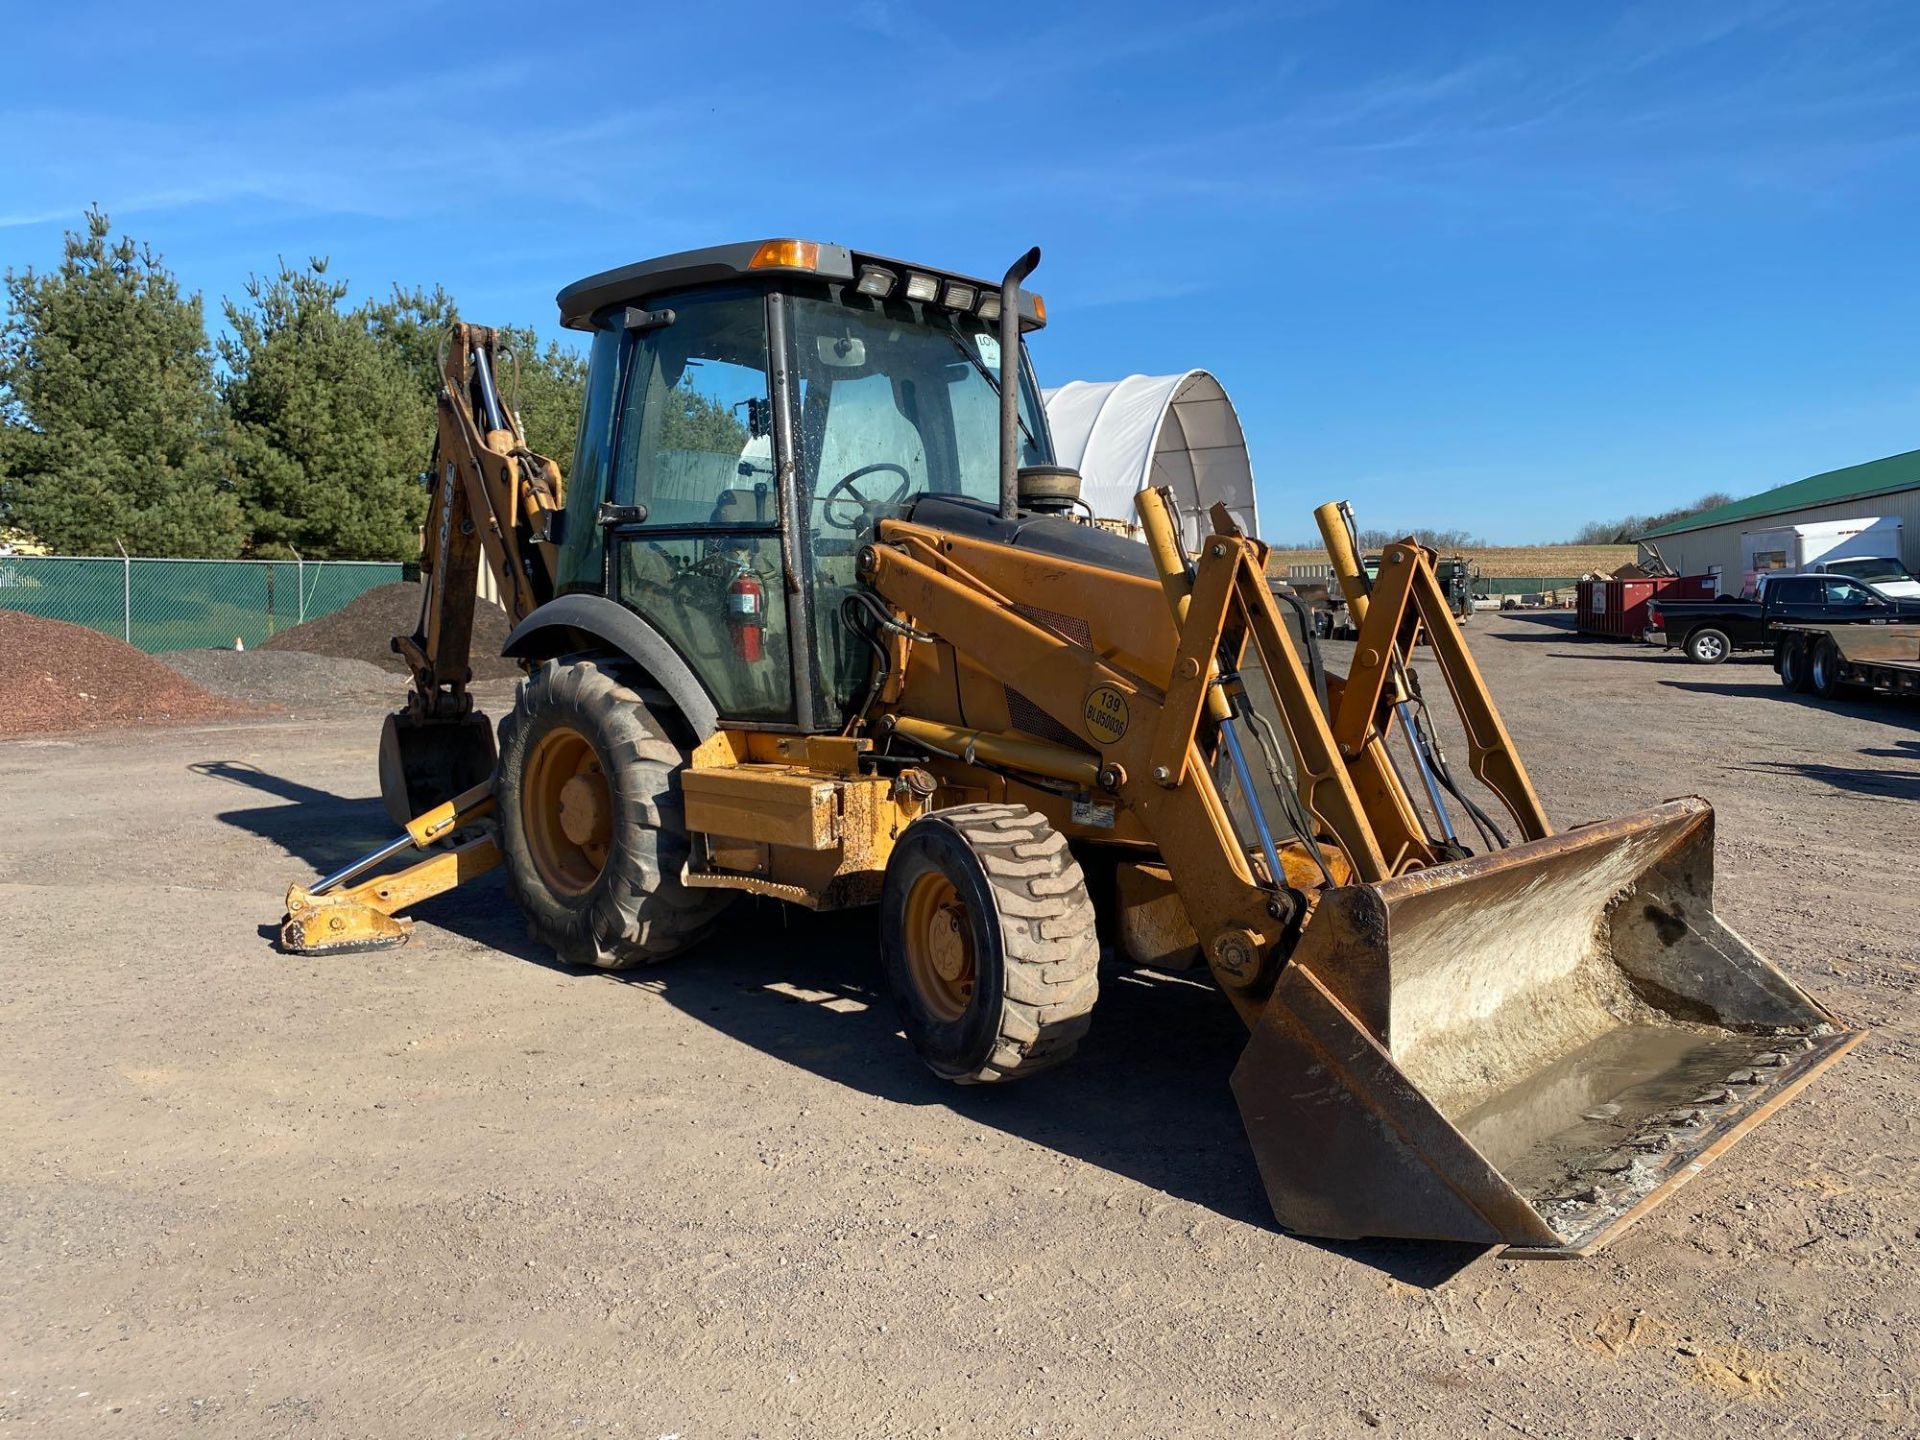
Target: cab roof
(586, 299)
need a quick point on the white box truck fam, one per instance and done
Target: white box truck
(1861, 548)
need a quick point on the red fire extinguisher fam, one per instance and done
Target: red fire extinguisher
(747, 615)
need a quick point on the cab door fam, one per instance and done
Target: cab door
(1849, 600)
(698, 555)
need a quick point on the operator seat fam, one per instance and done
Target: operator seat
(741, 506)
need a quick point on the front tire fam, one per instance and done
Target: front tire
(988, 938)
(1708, 647)
(588, 799)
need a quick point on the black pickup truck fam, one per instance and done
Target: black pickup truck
(1711, 630)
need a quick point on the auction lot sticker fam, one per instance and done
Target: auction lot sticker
(1106, 713)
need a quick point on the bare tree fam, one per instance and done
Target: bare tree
(1629, 528)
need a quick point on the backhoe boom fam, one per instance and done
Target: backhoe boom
(493, 501)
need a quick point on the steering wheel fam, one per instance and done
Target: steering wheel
(844, 493)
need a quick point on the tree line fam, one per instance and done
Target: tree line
(1447, 542)
(303, 428)
(1631, 527)
(1624, 531)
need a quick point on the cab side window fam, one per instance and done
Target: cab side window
(695, 444)
(695, 449)
(582, 558)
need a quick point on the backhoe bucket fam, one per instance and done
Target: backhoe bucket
(1529, 1048)
(424, 763)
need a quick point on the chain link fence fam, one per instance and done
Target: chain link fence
(185, 604)
(1524, 585)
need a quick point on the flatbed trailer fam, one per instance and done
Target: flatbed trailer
(1826, 658)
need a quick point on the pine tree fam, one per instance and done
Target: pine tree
(413, 325)
(331, 429)
(546, 388)
(691, 421)
(547, 393)
(110, 424)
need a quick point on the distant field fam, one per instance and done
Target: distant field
(1523, 562)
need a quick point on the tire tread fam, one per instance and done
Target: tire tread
(1047, 932)
(641, 913)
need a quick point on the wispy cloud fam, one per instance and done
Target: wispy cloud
(1656, 31)
(1532, 114)
(1135, 289)
(377, 153)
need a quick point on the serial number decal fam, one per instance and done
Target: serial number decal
(1086, 811)
(1106, 713)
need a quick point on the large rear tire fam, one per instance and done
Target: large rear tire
(988, 937)
(591, 824)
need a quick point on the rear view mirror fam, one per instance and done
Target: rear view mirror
(843, 352)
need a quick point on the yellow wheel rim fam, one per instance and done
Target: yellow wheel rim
(940, 946)
(566, 809)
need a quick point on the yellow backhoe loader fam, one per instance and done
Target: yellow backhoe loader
(813, 617)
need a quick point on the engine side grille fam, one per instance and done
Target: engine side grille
(1028, 717)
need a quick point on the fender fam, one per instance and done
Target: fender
(577, 622)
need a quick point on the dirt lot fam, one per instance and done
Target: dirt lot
(453, 1190)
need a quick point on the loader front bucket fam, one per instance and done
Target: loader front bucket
(424, 763)
(1529, 1048)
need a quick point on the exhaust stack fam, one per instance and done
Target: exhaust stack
(1010, 381)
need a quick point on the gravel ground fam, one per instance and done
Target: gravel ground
(363, 629)
(293, 680)
(56, 677)
(453, 1189)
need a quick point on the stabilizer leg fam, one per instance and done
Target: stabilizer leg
(326, 919)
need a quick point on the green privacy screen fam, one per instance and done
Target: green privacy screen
(185, 604)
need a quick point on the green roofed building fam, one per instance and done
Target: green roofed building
(1710, 542)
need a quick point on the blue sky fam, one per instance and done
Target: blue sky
(1500, 267)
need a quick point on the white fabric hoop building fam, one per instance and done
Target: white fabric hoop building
(1180, 431)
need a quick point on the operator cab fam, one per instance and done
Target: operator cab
(759, 408)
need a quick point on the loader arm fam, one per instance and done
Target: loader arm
(1155, 761)
(1237, 912)
(1245, 902)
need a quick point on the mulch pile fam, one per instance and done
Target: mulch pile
(364, 629)
(55, 676)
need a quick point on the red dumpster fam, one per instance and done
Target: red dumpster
(1619, 607)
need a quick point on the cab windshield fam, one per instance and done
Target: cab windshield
(898, 399)
(893, 400)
